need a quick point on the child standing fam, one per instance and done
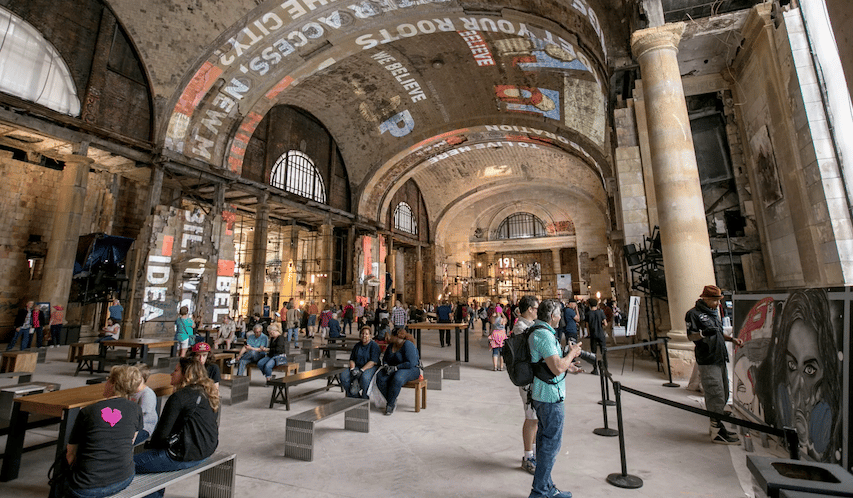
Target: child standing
(496, 341)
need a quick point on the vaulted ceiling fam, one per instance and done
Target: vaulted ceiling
(464, 97)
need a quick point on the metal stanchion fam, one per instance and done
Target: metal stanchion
(668, 364)
(602, 368)
(604, 431)
(623, 480)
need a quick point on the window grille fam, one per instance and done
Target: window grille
(404, 219)
(521, 226)
(32, 69)
(295, 172)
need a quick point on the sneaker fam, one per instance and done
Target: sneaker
(529, 464)
(389, 410)
(561, 494)
(713, 427)
(725, 437)
(231, 362)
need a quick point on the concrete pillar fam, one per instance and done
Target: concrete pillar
(419, 279)
(684, 234)
(289, 259)
(62, 248)
(557, 265)
(259, 254)
(492, 282)
(327, 254)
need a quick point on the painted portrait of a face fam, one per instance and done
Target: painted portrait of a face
(806, 381)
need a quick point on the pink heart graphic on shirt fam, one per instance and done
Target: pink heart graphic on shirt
(111, 416)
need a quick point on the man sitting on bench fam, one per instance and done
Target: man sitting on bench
(257, 345)
(362, 366)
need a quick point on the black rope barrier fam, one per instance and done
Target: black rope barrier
(665, 342)
(788, 433)
(625, 480)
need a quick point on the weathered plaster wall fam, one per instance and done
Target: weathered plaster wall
(28, 206)
(795, 196)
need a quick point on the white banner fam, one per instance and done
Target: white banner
(633, 314)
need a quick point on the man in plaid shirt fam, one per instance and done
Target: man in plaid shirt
(399, 316)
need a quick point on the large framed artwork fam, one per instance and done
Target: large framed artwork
(792, 369)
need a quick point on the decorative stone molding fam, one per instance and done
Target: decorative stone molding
(666, 36)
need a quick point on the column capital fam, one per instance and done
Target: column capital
(666, 36)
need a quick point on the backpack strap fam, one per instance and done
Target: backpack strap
(540, 369)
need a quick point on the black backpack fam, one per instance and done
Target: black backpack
(516, 356)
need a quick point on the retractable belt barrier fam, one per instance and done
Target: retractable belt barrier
(625, 480)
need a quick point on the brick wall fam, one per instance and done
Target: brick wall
(28, 204)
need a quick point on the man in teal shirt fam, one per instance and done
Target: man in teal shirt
(548, 397)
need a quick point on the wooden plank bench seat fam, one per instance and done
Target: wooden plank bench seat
(216, 479)
(280, 386)
(442, 369)
(420, 387)
(88, 362)
(78, 349)
(299, 434)
(288, 368)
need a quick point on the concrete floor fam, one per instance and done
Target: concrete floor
(466, 443)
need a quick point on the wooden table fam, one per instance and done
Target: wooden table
(65, 405)
(142, 344)
(19, 361)
(417, 327)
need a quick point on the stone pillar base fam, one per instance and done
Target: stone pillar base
(681, 358)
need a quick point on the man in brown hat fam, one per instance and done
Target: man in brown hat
(705, 329)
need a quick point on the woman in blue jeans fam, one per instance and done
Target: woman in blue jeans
(275, 353)
(186, 433)
(362, 365)
(400, 366)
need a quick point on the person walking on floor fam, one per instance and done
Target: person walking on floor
(705, 329)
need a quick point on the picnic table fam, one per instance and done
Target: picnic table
(418, 327)
(64, 405)
(142, 344)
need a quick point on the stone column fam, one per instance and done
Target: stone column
(557, 265)
(492, 280)
(419, 279)
(327, 254)
(684, 234)
(67, 219)
(259, 254)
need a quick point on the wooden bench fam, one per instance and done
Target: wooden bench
(299, 434)
(280, 386)
(289, 368)
(216, 479)
(442, 369)
(80, 349)
(88, 361)
(18, 361)
(420, 386)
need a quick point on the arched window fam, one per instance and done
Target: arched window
(521, 226)
(404, 219)
(295, 172)
(30, 68)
